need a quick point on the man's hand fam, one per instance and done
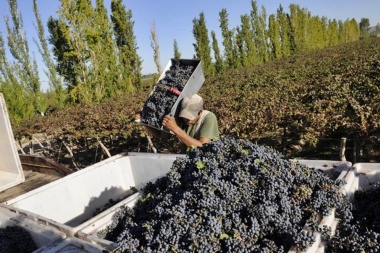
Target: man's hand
(170, 123)
(137, 117)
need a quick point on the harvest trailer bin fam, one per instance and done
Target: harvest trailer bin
(364, 175)
(41, 235)
(74, 201)
(90, 232)
(11, 172)
(192, 86)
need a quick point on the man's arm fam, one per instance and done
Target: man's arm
(170, 123)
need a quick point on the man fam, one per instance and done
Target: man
(201, 125)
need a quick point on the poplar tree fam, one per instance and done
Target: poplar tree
(284, 27)
(312, 40)
(274, 36)
(354, 30)
(241, 46)
(259, 28)
(130, 62)
(248, 50)
(227, 37)
(66, 60)
(156, 47)
(177, 54)
(217, 55)
(16, 95)
(236, 61)
(324, 34)
(364, 28)
(19, 48)
(299, 19)
(202, 45)
(332, 33)
(76, 27)
(105, 73)
(55, 82)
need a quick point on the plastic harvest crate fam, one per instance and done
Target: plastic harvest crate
(41, 235)
(192, 86)
(70, 203)
(89, 233)
(11, 172)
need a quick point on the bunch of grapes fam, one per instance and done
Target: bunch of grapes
(228, 196)
(15, 239)
(161, 101)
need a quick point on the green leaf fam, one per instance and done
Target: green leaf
(223, 236)
(200, 165)
(246, 151)
(146, 197)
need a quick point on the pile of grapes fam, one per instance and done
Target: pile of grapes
(16, 239)
(161, 100)
(229, 196)
(362, 232)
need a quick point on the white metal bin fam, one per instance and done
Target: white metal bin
(69, 203)
(11, 172)
(40, 234)
(90, 232)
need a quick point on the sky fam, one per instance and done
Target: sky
(173, 20)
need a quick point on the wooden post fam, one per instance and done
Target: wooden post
(354, 157)
(284, 142)
(104, 148)
(342, 149)
(71, 154)
(20, 148)
(31, 150)
(150, 144)
(38, 142)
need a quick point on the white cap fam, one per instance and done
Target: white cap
(191, 106)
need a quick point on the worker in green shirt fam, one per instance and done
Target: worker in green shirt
(201, 125)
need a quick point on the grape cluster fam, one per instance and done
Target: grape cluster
(227, 196)
(161, 101)
(15, 239)
(361, 233)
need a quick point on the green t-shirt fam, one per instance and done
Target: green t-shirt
(207, 129)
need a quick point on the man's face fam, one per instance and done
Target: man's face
(190, 122)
